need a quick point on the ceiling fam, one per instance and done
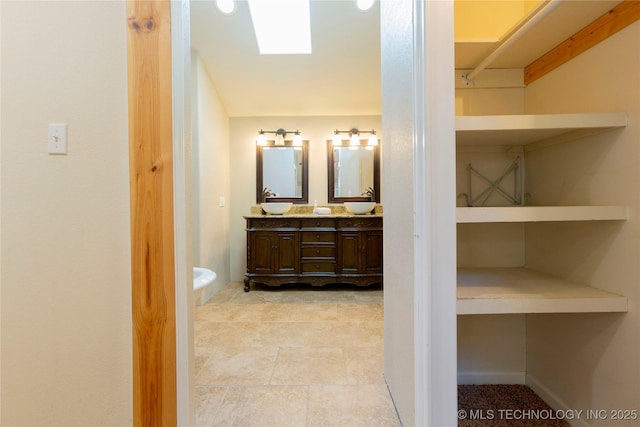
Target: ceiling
(342, 76)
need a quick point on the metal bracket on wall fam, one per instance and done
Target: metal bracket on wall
(494, 186)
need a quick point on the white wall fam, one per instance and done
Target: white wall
(397, 115)
(244, 130)
(589, 360)
(66, 304)
(419, 251)
(211, 181)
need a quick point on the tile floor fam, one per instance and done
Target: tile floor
(296, 356)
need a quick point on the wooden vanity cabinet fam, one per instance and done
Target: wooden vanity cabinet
(315, 251)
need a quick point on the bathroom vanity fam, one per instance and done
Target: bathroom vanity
(314, 250)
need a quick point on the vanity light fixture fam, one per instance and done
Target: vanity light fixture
(280, 136)
(354, 137)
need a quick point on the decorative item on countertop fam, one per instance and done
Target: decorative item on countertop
(320, 211)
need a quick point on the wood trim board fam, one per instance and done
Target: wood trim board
(624, 14)
(152, 222)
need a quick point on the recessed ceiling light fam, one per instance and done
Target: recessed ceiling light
(226, 6)
(281, 26)
(364, 4)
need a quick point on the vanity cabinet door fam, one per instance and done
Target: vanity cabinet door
(286, 260)
(360, 252)
(349, 251)
(372, 252)
(274, 252)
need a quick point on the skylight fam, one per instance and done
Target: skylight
(282, 27)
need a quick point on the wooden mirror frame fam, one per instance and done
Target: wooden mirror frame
(332, 198)
(304, 197)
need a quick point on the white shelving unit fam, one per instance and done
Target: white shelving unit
(520, 290)
(530, 129)
(540, 213)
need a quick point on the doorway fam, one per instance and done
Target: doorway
(428, 362)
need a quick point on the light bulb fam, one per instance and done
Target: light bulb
(355, 139)
(297, 140)
(279, 139)
(337, 140)
(226, 6)
(261, 140)
(373, 139)
(364, 4)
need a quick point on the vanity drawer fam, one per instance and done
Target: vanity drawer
(324, 237)
(318, 252)
(362, 222)
(285, 223)
(319, 223)
(318, 267)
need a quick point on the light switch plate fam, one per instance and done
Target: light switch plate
(57, 139)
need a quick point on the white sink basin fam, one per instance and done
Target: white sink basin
(202, 277)
(276, 208)
(359, 208)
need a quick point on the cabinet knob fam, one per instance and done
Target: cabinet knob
(317, 237)
(317, 266)
(318, 224)
(317, 251)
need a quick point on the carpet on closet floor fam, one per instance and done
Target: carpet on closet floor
(504, 405)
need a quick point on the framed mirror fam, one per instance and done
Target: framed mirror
(352, 172)
(282, 172)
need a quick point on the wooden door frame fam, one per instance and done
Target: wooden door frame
(158, 58)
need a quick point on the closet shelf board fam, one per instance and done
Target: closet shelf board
(521, 290)
(466, 215)
(529, 129)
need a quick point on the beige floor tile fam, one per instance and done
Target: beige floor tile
(231, 334)
(228, 293)
(305, 294)
(244, 313)
(291, 356)
(351, 405)
(364, 365)
(238, 365)
(360, 312)
(315, 365)
(313, 312)
(217, 313)
(208, 400)
(263, 406)
(322, 334)
(201, 356)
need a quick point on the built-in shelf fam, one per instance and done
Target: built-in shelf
(521, 290)
(529, 129)
(468, 215)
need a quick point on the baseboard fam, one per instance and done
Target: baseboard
(491, 377)
(553, 400)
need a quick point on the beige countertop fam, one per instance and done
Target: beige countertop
(306, 211)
